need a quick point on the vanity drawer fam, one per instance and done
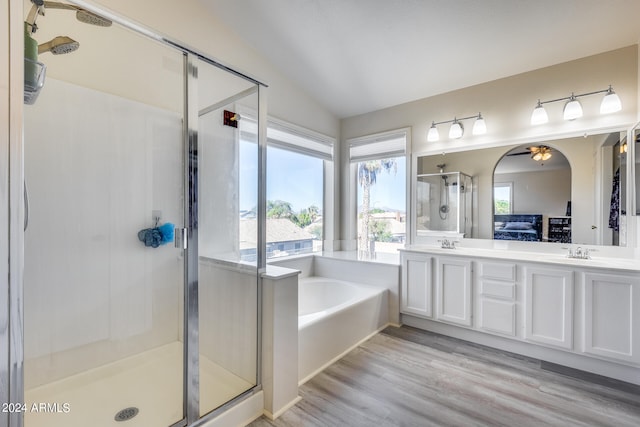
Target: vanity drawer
(498, 289)
(498, 270)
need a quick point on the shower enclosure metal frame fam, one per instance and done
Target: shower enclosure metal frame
(462, 211)
(11, 195)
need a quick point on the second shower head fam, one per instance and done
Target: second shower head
(59, 46)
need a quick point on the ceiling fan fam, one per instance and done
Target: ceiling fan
(537, 153)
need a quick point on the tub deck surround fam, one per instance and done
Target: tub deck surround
(580, 313)
(279, 339)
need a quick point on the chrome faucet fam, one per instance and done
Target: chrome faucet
(579, 253)
(447, 244)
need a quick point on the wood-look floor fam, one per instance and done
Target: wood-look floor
(408, 377)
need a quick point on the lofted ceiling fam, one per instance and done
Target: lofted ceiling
(357, 56)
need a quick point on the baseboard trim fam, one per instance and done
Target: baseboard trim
(282, 410)
(590, 377)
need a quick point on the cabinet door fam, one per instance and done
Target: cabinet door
(612, 316)
(417, 292)
(498, 316)
(549, 306)
(453, 290)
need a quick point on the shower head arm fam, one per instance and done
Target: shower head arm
(33, 15)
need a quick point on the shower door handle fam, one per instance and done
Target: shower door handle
(180, 238)
(26, 206)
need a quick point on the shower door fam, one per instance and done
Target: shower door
(145, 231)
(225, 179)
(103, 286)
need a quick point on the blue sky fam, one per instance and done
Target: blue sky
(386, 193)
(297, 179)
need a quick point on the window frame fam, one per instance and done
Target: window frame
(503, 184)
(322, 147)
(374, 147)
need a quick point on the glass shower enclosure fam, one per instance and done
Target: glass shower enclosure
(142, 162)
(444, 204)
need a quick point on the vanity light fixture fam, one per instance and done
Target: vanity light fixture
(457, 129)
(573, 109)
(611, 102)
(539, 115)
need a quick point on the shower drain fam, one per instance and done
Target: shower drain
(126, 414)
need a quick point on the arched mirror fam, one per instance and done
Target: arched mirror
(532, 195)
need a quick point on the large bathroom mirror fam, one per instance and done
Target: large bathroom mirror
(583, 194)
(636, 143)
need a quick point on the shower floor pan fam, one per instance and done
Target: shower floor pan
(149, 381)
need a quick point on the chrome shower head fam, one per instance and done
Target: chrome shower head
(59, 45)
(92, 19)
(82, 15)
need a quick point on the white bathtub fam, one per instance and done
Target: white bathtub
(334, 317)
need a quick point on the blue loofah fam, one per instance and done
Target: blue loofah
(166, 232)
(150, 237)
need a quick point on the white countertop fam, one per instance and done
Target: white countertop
(625, 264)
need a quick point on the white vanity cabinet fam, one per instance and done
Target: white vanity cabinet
(496, 294)
(417, 284)
(584, 314)
(549, 306)
(453, 290)
(611, 316)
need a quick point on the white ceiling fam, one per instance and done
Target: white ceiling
(357, 56)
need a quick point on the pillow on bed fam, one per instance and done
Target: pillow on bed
(518, 226)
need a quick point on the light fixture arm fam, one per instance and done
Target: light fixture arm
(456, 119)
(573, 96)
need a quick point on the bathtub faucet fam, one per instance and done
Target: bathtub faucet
(447, 244)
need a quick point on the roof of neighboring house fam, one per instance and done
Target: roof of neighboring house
(278, 230)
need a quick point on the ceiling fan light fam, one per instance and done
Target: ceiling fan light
(572, 109)
(456, 130)
(537, 156)
(479, 127)
(623, 148)
(610, 103)
(546, 156)
(433, 135)
(539, 115)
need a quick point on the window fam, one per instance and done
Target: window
(502, 198)
(299, 181)
(297, 165)
(379, 169)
